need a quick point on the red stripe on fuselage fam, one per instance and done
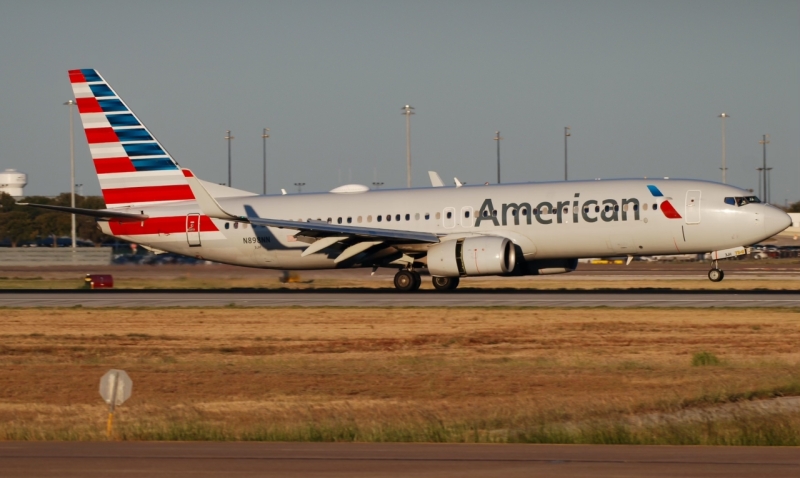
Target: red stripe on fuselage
(114, 165)
(76, 76)
(89, 105)
(158, 225)
(177, 192)
(101, 135)
(669, 211)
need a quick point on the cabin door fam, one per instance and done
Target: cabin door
(193, 229)
(692, 207)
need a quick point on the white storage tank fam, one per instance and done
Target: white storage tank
(12, 182)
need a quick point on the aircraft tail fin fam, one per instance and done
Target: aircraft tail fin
(134, 169)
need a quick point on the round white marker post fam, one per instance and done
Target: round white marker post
(115, 388)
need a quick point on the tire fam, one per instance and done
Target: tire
(715, 275)
(417, 280)
(445, 283)
(404, 281)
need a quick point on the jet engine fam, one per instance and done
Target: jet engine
(473, 256)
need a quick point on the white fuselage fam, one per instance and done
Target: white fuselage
(558, 220)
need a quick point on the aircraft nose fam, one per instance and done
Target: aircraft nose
(775, 220)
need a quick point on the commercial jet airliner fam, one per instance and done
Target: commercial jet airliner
(453, 232)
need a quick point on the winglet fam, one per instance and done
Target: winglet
(208, 205)
(436, 180)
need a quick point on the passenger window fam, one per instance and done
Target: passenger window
(625, 207)
(438, 215)
(349, 220)
(730, 201)
(339, 220)
(227, 225)
(329, 220)
(607, 208)
(655, 206)
(369, 218)
(427, 216)
(397, 217)
(644, 206)
(408, 217)
(494, 213)
(359, 219)
(597, 209)
(416, 217)
(616, 208)
(380, 218)
(236, 225)
(524, 212)
(635, 207)
(566, 211)
(388, 217)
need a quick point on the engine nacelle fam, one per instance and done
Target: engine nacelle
(473, 256)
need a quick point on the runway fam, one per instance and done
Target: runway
(148, 459)
(375, 298)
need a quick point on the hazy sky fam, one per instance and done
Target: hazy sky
(640, 83)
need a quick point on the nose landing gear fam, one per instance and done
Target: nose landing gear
(715, 274)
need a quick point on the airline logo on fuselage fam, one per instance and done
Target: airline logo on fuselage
(607, 210)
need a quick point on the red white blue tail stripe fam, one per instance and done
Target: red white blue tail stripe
(133, 168)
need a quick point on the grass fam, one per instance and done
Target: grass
(701, 359)
(360, 374)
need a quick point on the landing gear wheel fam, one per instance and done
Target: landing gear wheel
(404, 281)
(417, 280)
(445, 283)
(715, 275)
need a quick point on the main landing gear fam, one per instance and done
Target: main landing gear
(715, 274)
(445, 283)
(408, 280)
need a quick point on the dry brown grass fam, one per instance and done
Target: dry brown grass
(380, 369)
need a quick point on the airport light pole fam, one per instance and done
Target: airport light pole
(72, 103)
(498, 139)
(760, 195)
(408, 111)
(228, 138)
(264, 137)
(567, 134)
(299, 187)
(764, 142)
(724, 167)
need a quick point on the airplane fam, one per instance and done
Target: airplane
(470, 230)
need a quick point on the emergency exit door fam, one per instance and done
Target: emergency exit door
(193, 229)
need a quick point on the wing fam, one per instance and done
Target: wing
(323, 229)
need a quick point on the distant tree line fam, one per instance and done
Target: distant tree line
(23, 224)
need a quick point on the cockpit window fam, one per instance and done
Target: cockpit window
(741, 200)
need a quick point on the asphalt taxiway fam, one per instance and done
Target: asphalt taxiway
(167, 459)
(377, 298)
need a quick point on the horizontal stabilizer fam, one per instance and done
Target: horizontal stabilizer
(101, 213)
(208, 205)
